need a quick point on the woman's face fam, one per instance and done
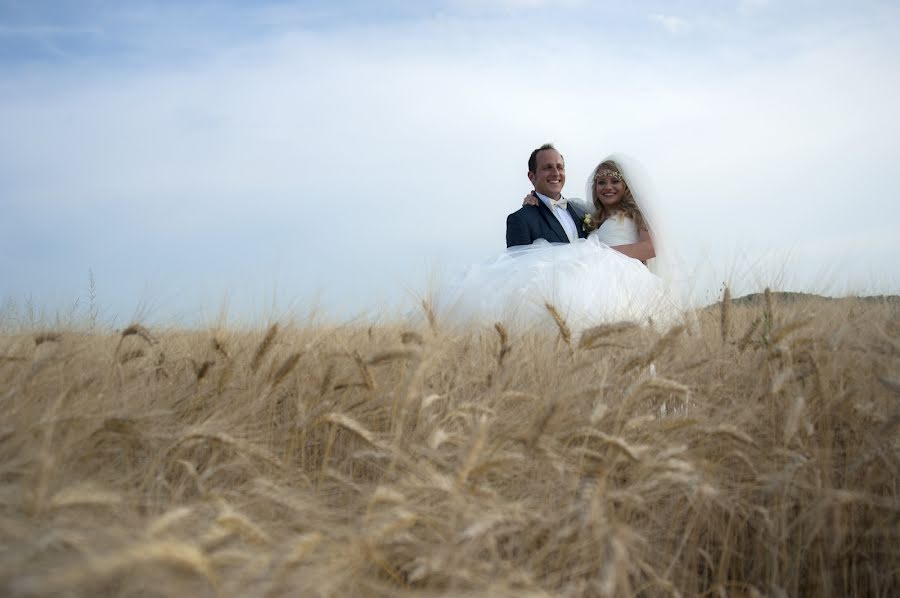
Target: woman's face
(609, 187)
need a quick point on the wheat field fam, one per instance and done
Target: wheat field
(753, 452)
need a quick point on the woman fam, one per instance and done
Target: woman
(592, 281)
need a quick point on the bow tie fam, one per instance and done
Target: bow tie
(562, 202)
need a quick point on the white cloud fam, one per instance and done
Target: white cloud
(672, 23)
(45, 30)
(487, 5)
(748, 7)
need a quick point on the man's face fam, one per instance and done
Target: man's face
(549, 174)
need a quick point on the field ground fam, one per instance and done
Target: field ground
(752, 453)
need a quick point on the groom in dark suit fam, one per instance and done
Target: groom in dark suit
(553, 218)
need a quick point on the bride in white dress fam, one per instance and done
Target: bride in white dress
(602, 279)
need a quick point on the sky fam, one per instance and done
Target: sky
(275, 159)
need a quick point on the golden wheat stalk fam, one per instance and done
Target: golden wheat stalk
(285, 368)
(472, 455)
(241, 446)
(408, 337)
(659, 383)
(748, 334)
(564, 332)
(348, 423)
(219, 347)
(234, 522)
(138, 330)
(725, 315)
(390, 355)
(363, 368)
(430, 315)
(590, 336)
(100, 570)
(130, 355)
(168, 520)
(263, 347)
(46, 337)
(201, 369)
(302, 547)
(769, 308)
(780, 333)
(662, 345)
(634, 453)
(503, 333)
(84, 494)
(327, 380)
(539, 425)
(732, 431)
(792, 421)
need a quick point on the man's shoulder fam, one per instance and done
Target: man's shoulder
(525, 212)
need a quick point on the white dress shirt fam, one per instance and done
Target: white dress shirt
(565, 219)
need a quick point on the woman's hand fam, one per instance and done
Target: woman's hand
(530, 200)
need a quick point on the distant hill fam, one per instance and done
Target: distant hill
(792, 297)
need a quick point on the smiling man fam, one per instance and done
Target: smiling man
(553, 218)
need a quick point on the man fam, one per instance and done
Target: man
(553, 218)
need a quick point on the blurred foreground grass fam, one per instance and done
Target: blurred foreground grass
(752, 453)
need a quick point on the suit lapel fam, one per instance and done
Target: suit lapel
(551, 221)
(578, 217)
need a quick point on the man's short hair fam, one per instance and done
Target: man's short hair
(532, 159)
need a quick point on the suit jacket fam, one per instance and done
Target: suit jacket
(529, 223)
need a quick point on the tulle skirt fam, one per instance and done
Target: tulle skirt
(586, 282)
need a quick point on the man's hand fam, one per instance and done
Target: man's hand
(530, 200)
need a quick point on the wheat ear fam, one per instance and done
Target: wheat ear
(564, 331)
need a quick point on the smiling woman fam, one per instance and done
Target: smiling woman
(612, 198)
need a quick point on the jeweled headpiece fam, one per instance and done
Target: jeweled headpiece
(606, 172)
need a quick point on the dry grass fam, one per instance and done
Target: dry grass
(753, 454)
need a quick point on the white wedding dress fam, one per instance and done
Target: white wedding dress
(586, 281)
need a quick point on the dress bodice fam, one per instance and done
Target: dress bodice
(618, 230)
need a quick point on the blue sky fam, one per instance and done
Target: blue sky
(279, 157)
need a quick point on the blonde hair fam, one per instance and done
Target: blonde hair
(627, 206)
